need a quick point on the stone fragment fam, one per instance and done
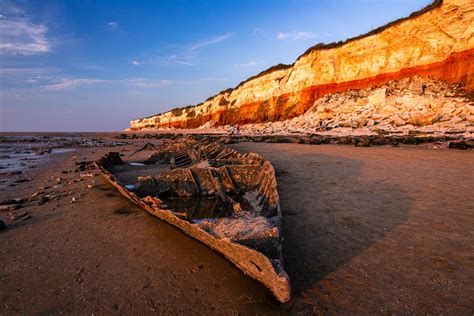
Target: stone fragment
(389, 109)
(398, 121)
(9, 208)
(43, 200)
(378, 97)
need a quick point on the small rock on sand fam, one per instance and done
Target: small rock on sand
(2, 225)
(9, 208)
(43, 200)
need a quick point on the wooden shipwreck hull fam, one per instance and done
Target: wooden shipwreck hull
(225, 199)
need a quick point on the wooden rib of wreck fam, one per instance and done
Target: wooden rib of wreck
(225, 199)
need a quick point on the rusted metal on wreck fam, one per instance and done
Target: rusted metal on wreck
(225, 199)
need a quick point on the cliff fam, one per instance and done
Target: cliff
(436, 42)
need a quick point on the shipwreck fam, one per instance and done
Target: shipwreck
(225, 199)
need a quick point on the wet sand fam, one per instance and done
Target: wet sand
(367, 230)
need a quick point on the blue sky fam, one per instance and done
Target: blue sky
(95, 65)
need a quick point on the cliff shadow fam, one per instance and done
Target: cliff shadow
(333, 208)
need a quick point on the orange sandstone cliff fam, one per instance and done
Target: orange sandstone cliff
(436, 42)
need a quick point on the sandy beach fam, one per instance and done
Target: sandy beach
(243, 157)
(366, 230)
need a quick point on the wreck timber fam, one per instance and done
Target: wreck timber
(225, 199)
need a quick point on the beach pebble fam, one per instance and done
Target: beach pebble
(43, 200)
(9, 208)
(19, 216)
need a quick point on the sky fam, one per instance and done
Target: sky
(95, 65)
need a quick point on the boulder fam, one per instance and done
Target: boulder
(398, 121)
(9, 208)
(388, 109)
(424, 118)
(378, 97)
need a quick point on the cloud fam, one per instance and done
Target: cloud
(249, 64)
(62, 84)
(281, 36)
(179, 58)
(12, 71)
(69, 83)
(21, 37)
(260, 32)
(147, 83)
(182, 55)
(134, 62)
(295, 36)
(9, 8)
(212, 41)
(113, 25)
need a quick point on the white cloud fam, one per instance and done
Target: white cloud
(69, 83)
(19, 36)
(113, 25)
(183, 58)
(249, 64)
(25, 71)
(185, 54)
(147, 83)
(260, 32)
(134, 62)
(295, 36)
(9, 8)
(60, 84)
(212, 41)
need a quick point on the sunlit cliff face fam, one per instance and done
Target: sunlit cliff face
(437, 42)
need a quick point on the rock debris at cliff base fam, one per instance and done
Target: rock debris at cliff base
(411, 104)
(402, 107)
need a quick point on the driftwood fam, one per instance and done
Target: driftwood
(225, 199)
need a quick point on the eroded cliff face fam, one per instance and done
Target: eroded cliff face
(400, 107)
(437, 42)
